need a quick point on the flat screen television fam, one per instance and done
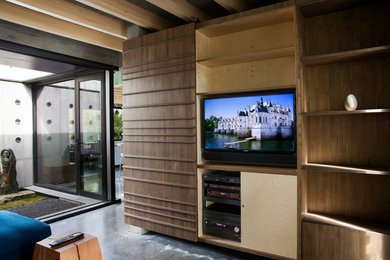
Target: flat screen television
(255, 127)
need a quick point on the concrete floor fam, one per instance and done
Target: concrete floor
(118, 242)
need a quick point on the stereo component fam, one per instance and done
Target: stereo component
(221, 205)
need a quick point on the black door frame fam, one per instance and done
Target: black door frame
(77, 77)
(78, 80)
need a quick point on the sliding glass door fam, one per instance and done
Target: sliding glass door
(91, 138)
(56, 136)
(70, 137)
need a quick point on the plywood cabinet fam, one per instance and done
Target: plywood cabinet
(252, 51)
(247, 52)
(269, 213)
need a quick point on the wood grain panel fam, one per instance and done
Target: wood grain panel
(159, 83)
(181, 48)
(249, 76)
(325, 242)
(269, 222)
(174, 193)
(178, 167)
(351, 195)
(183, 151)
(329, 85)
(166, 97)
(165, 63)
(254, 40)
(173, 113)
(271, 14)
(159, 71)
(361, 27)
(159, 132)
(350, 140)
(156, 39)
(168, 124)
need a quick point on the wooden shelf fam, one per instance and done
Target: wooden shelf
(345, 222)
(247, 20)
(248, 57)
(220, 241)
(345, 112)
(346, 55)
(248, 168)
(343, 169)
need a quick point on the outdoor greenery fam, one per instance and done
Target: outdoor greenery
(118, 78)
(22, 202)
(118, 126)
(211, 123)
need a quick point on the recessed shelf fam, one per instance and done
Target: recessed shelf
(346, 222)
(248, 57)
(248, 168)
(246, 20)
(343, 169)
(346, 55)
(345, 112)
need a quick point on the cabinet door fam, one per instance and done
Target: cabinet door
(269, 213)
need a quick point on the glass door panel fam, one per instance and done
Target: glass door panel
(56, 140)
(91, 138)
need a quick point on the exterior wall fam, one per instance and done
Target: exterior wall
(9, 130)
(118, 98)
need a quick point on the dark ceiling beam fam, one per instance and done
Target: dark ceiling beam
(181, 9)
(233, 6)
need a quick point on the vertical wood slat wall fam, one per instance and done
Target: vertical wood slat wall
(159, 132)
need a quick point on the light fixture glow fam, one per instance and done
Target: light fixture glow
(19, 74)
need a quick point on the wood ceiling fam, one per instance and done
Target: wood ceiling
(104, 22)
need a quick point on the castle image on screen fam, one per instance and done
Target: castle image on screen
(260, 123)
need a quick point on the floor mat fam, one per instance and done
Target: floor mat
(45, 207)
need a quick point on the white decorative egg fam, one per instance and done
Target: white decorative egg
(350, 103)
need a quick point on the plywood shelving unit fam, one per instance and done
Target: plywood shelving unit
(242, 52)
(346, 166)
(251, 51)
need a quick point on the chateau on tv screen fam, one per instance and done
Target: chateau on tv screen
(250, 123)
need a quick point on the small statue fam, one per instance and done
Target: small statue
(8, 183)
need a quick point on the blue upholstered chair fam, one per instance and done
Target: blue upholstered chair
(18, 235)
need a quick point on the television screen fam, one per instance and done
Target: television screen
(263, 123)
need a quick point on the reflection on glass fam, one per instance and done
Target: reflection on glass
(91, 136)
(55, 147)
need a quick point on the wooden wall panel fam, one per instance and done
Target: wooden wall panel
(160, 132)
(176, 80)
(169, 113)
(324, 242)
